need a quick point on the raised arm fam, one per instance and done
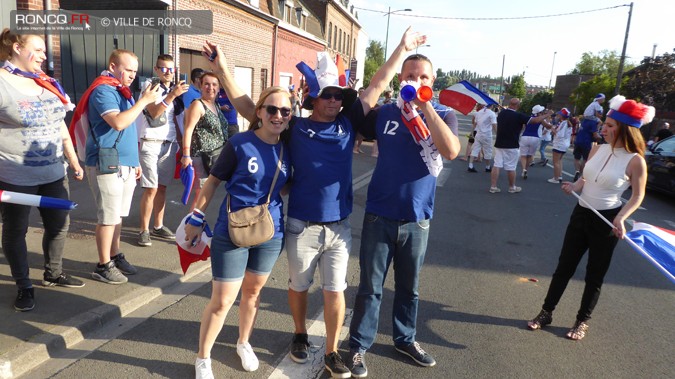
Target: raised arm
(383, 76)
(192, 116)
(241, 101)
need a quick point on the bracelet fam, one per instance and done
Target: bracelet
(194, 221)
(186, 156)
(198, 213)
(165, 104)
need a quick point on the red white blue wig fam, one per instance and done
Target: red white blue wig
(630, 112)
(565, 113)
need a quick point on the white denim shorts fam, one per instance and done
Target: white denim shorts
(506, 158)
(158, 161)
(113, 193)
(310, 246)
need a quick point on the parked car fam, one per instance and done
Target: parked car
(661, 166)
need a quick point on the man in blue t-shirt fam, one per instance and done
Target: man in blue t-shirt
(112, 114)
(588, 133)
(399, 208)
(509, 125)
(318, 232)
(229, 112)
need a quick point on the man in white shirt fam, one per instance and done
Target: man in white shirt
(485, 122)
(157, 150)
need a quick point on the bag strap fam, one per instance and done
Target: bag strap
(97, 146)
(274, 181)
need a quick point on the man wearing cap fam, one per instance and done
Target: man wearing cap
(485, 122)
(318, 232)
(529, 141)
(587, 133)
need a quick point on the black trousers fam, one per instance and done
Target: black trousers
(15, 226)
(586, 231)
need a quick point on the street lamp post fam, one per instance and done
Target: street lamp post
(421, 46)
(552, 65)
(386, 40)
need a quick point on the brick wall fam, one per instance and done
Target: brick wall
(291, 50)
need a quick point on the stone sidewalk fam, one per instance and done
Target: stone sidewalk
(65, 316)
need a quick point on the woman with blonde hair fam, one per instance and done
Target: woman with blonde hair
(248, 164)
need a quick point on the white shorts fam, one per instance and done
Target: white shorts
(506, 158)
(529, 146)
(158, 161)
(482, 142)
(113, 193)
(326, 247)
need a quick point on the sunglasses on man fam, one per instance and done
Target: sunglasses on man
(331, 95)
(272, 110)
(165, 70)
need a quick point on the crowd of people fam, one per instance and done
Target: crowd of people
(284, 153)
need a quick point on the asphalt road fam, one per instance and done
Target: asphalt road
(476, 295)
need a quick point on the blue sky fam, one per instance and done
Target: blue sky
(529, 44)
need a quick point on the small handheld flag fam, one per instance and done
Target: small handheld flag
(190, 252)
(36, 200)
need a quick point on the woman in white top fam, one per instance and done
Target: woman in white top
(610, 170)
(562, 135)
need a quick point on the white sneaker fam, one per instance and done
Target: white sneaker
(203, 368)
(248, 359)
(515, 189)
(495, 190)
(555, 181)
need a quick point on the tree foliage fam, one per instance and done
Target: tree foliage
(586, 92)
(517, 87)
(653, 82)
(604, 62)
(374, 60)
(543, 98)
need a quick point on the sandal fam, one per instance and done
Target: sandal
(578, 331)
(543, 318)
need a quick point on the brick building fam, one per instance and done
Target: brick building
(263, 40)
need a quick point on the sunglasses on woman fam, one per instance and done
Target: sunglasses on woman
(272, 110)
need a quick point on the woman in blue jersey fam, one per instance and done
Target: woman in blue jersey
(248, 165)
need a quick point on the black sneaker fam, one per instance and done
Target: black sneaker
(108, 273)
(144, 239)
(524, 174)
(62, 280)
(359, 368)
(576, 176)
(544, 162)
(471, 169)
(25, 300)
(488, 169)
(336, 366)
(163, 232)
(300, 348)
(418, 355)
(123, 265)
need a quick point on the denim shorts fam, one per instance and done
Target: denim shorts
(229, 262)
(311, 246)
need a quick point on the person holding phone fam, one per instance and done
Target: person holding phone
(158, 145)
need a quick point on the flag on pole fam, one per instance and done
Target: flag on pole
(655, 244)
(463, 97)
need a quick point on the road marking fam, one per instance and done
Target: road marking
(314, 367)
(362, 180)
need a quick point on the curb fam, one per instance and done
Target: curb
(36, 351)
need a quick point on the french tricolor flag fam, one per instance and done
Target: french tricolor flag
(463, 97)
(655, 244)
(36, 200)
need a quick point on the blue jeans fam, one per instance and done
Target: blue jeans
(383, 241)
(542, 149)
